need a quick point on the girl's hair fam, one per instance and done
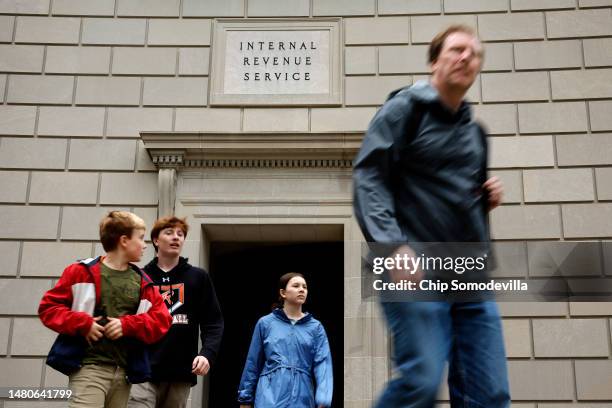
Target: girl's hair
(282, 284)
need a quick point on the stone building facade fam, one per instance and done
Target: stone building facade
(107, 104)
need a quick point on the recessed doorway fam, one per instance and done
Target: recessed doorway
(245, 275)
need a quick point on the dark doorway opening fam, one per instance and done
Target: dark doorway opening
(246, 276)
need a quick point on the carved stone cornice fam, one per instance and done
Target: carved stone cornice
(269, 163)
(252, 150)
(167, 158)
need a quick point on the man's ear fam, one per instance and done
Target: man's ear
(432, 66)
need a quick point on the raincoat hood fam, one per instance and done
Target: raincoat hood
(280, 314)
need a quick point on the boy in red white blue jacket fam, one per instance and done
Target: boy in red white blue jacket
(106, 310)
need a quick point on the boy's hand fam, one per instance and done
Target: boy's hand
(95, 332)
(200, 365)
(113, 329)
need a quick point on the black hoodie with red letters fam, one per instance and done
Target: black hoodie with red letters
(189, 294)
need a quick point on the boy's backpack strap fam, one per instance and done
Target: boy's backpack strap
(89, 262)
(146, 278)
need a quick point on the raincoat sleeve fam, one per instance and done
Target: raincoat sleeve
(252, 367)
(373, 200)
(323, 374)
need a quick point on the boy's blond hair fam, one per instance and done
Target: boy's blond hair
(118, 223)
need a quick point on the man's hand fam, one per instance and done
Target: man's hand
(397, 275)
(200, 365)
(95, 332)
(113, 329)
(495, 190)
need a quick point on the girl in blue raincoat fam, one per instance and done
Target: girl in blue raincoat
(289, 362)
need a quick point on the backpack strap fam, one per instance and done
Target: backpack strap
(89, 262)
(409, 133)
(485, 147)
(413, 124)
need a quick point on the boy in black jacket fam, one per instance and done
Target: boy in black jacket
(191, 300)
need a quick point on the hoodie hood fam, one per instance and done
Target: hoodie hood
(182, 265)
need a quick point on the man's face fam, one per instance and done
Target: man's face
(459, 61)
(170, 241)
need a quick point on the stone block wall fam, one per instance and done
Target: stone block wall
(80, 79)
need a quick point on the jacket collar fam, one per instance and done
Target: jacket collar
(93, 266)
(423, 92)
(279, 313)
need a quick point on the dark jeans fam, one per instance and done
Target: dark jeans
(428, 334)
